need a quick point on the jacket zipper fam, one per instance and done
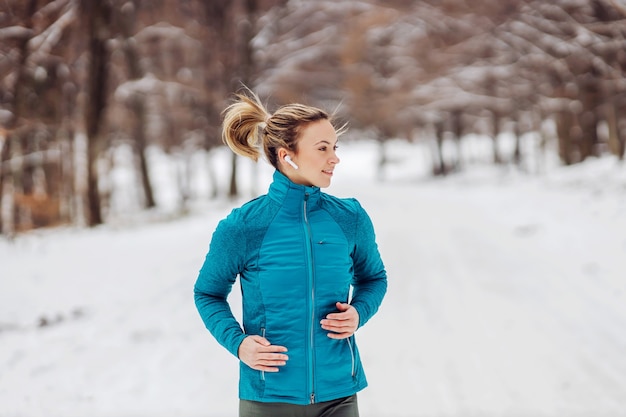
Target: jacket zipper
(307, 232)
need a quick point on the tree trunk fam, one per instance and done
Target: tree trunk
(65, 137)
(517, 153)
(457, 129)
(622, 145)
(540, 151)
(495, 124)
(143, 165)
(589, 134)
(232, 188)
(247, 59)
(137, 102)
(245, 71)
(223, 32)
(564, 123)
(67, 177)
(439, 165)
(97, 17)
(6, 190)
(616, 139)
(589, 122)
(138, 108)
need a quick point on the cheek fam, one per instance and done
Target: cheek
(308, 163)
(312, 163)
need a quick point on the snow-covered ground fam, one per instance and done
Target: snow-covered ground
(507, 298)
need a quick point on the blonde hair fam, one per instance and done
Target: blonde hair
(246, 122)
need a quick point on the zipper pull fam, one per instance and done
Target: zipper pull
(312, 398)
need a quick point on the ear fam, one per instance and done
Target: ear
(282, 153)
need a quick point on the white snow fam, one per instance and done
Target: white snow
(507, 297)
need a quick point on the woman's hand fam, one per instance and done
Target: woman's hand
(343, 324)
(258, 353)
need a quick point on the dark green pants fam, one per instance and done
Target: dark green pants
(342, 407)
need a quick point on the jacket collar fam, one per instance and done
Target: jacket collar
(284, 191)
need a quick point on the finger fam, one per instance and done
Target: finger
(337, 324)
(347, 330)
(272, 348)
(260, 340)
(344, 335)
(347, 314)
(342, 306)
(273, 363)
(268, 365)
(265, 368)
(338, 316)
(273, 357)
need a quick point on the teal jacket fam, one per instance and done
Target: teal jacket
(297, 252)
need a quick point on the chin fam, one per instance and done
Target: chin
(324, 184)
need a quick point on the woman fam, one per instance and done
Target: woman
(309, 268)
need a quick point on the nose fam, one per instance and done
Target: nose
(335, 159)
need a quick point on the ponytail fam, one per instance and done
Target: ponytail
(241, 124)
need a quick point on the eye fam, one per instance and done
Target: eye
(323, 148)
(336, 147)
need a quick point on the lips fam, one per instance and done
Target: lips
(327, 172)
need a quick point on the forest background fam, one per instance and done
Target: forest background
(81, 79)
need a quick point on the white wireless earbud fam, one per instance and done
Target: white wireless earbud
(290, 162)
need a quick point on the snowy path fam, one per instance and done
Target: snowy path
(506, 298)
(498, 310)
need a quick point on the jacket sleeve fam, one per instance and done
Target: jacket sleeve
(222, 264)
(370, 278)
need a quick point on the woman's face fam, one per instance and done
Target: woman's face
(316, 157)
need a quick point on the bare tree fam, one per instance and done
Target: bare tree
(97, 18)
(136, 101)
(392, 68)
